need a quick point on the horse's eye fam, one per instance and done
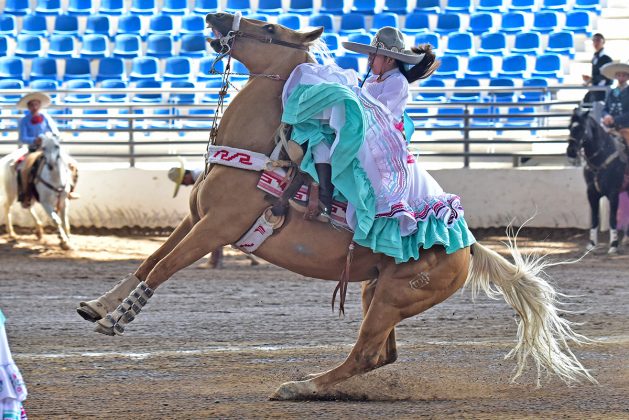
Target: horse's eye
(269, 28)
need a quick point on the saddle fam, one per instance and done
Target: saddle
(26, 174)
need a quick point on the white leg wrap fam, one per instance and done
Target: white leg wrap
(594, 236)
(114, 323)
(613, 236)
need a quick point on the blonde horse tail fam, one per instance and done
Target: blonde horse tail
(543, 335)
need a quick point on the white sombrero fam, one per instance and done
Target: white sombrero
(389, 42)
(35, 96)
(609, 70)
(176, 175)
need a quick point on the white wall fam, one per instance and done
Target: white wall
(491, 197)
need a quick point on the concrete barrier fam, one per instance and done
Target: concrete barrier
(492, 198)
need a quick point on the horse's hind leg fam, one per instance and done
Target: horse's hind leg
(389, 351)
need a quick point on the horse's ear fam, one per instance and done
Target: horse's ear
(311, 35)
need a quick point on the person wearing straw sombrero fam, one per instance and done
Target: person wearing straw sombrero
(36, 121)
(616, 110)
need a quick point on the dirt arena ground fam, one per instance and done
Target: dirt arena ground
(217, 343)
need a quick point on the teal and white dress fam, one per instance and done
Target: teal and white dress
(393, 205)
(12, 387)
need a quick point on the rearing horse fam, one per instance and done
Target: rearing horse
(225, 203)
(603, 172)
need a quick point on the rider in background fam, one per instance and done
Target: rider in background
(36, 121)
(616, 111)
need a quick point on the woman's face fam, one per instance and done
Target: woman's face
(33, 106)
(380, 64)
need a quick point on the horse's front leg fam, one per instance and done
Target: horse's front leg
(593, 198)
(9, 220)
(52, 212)
(39, 226)
(64, 212)
(613, 232)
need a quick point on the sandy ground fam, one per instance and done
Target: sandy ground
(217, 343)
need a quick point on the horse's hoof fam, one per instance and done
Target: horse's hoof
(88, 313)
(104, 330)
(302, 390)
(12, 239)
(612, 250)
(590, 246)
(66, 246)
(39, 234)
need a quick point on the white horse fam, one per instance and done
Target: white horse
(52, 183)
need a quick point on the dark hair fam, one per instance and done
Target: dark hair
(598, 35)
(424, 68)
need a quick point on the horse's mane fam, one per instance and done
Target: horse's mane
(318, 49)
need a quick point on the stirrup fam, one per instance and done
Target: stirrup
(302, 208)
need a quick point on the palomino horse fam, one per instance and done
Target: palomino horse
(225, 203)
(603, 172)
(52, 183)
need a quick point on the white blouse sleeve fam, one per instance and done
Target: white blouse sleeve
(394, 94)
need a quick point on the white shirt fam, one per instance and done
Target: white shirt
(391, 91)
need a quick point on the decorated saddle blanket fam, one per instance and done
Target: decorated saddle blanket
(393, 205)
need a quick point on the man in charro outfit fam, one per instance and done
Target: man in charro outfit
(616, 110)
(599, 59)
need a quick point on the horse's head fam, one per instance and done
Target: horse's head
(50, 148)
(580, 131)
(259, 45)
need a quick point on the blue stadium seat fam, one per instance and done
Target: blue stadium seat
(11, 84)
(77, 68)
(11, 68)
(34, 25)
(360, 38)
(589, 5)
(494, 43)
(301, 7)
(352, 23)
(177, 68)
(144, 68)
(98, 24)
(347, 62)
(80, 8)
(270, 7)
(399, 7)
(520, 117)
(525, 6)
(513, 22)
(203, 7)
(449, 68)
(205, 67)
(365, 7)
(501, 96)
(548, 66)
(78, 97)
(17, 7)
(526, 43)
(290, 20)
(447, 23)
(561, 43)
(244, 6)
(259, 16)
(45, 85)
(184, 97)
(204, 123)
(428, 6)
(556, 5)
(477, 119)
(322, 19)
(439, 96)
(458, 6)
(192, 24)
(514, 66)
(8, 25)
(129, 24)
(491, 6)
(127, 46)
(481, 23)
(111, 68)
(4, 45)
(193, 45)
(545, 22)
(480, 66)
(428, 38)
(112, 97)
(446, 117)
(66, 25)
(28, 46)
(143, 7)
(112, 7)
(578, 22)
(534, 95)
(460, 43)
(210, 97)
(161, 25)
(148, 97)
(82, 117)
(332, 41)
(384, 19)
(175, 7)
(61, 46)
(466, 96)
(160, 46)
(240, 72)
(333, 7)
(94, 46)
(48, 7)
(415, 23)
